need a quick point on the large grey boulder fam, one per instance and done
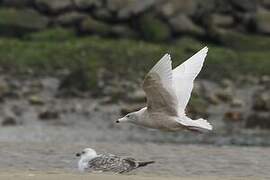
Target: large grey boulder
(220, 20)
(86, 4)
(126, 8)
(102, 14)
(17, 3)
(181, 24)
(262, 21)
(245, 5)
(265, 3)
(71, 18)
(20, 21)
(53, 6)
(172, 7)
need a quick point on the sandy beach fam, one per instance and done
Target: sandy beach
(38, 148)
(68, 176)
(49, 160)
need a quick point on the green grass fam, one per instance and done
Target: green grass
(126, 58)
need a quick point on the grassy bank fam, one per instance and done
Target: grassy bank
(54, 50)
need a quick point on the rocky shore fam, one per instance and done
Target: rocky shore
(240, 114)
(151, 20)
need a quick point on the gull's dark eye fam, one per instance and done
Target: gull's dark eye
(128, 116)
(83, 152)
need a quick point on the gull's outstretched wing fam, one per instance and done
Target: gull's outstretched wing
(158, 88)
(184, 75)
(112, 163)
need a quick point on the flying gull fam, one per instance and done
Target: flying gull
(168, 92)
(90, 161)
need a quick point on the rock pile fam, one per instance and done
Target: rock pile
(153, 20)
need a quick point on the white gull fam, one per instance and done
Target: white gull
(168, 92)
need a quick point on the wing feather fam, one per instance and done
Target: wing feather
(184, 75)
(158, 88)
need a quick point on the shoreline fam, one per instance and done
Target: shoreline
(23, 175)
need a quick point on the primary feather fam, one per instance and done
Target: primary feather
(184, 75)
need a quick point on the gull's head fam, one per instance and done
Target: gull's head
(130, 117)
(87, 153)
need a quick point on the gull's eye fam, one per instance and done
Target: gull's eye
(128, 116)
(83, 152)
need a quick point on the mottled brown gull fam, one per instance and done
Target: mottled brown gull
(168, 92)
(90, 161)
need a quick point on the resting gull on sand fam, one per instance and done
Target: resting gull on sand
(168, 92)
(93, 162)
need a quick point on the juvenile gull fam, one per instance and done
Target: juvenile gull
(93, 162)
(168, 92)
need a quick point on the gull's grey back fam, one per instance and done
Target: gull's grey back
(112, 163)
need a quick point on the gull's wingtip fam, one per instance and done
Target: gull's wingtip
(168, 54)
(205, 49)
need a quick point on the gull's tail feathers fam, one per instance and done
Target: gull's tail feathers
(145, 163)
(199, 125)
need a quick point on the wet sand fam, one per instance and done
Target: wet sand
(171, 160)
(38, 148)
(67, 176)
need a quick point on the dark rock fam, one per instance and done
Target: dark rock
(154, 29)
(86, 4)
(245, 5)
(79, 80)
(181, 24)
(4, 90)
(102, 14)
(53, 6)
(259, 120)
(17, 110)
(203, 11)
(213, 99)
(225, 95)
(126, 8)
(36, 100)
(264, 79)
(49, 115)
(71, 18)
(227, 83)
(222, 20)
(262, 21)
(261, 100)
(237, 103)
(9, 121)
(21, 21)
(90, 25)
(17, 3)
(233, 116)
(197, 108)
(173, 7)
(223, 7)
(265, 3)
